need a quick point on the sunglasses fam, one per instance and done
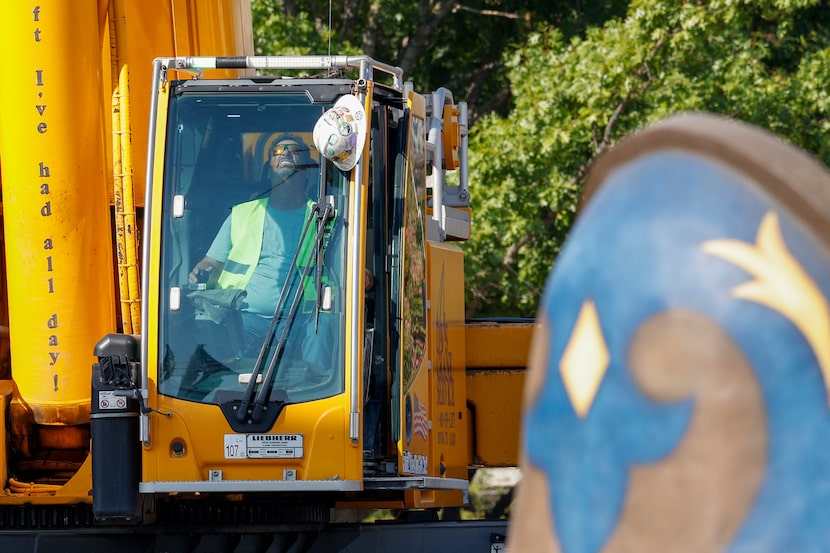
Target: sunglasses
(290, 147)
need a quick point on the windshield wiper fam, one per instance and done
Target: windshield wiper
(242, 414)
(319, 248)
(323, 215)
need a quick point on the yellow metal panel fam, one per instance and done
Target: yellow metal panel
(55, 202)
(498, 344)
(201, 428)
(167, 28)
(497, 355)
(447, 352)
(79, 487)
(224, 29)
(354, 372)
(415, 444)
(149, 467)
(494, 397)
(425, 499)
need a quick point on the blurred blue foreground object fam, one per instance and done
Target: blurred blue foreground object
(677, 397)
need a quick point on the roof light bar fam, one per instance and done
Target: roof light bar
(364, 63)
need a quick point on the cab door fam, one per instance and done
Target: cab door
(413, 437)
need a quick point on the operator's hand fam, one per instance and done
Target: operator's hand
(207, 265)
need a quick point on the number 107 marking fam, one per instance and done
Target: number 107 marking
(235, 446)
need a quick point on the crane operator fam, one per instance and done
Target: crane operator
(254, 249)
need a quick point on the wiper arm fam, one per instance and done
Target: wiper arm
(323, 216)
(242, 414)
(271, 372)
(319, 248)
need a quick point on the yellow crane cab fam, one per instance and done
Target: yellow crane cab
(302, 332)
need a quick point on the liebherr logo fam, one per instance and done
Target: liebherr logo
(275, 438)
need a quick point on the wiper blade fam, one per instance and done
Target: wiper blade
(319, 248)
(323, 216)
(242, 413)
(271, 372)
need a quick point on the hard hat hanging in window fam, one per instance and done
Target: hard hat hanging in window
(340, 133)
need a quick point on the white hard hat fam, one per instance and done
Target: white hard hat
(340, 133)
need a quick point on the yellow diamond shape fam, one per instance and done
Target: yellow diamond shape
(585, 360)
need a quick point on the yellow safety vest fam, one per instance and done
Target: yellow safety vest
(247, 225)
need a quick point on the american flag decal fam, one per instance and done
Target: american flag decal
(419, 418)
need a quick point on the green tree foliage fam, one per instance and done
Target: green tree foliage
(766, 62)
(457, 44)
(559, 81)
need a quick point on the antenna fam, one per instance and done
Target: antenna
(329, 27)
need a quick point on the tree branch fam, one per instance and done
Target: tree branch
(473, 92)
(458, 7)
(642, 70)
(372, 29)
(347, 19)
(512, 253)
(429, 21)
(289, 7)
(493, 103)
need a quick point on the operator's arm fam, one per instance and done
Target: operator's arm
(212, 267)
(214, 261)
